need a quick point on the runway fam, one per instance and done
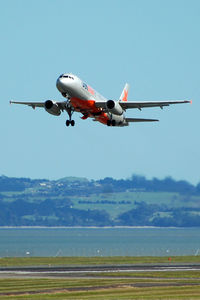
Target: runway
(88, 271)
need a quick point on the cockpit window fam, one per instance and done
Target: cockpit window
(85, 86)
(66, 76)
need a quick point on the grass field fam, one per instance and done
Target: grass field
(117, 207)
(97, 201)
(100, 288)
(56, 261)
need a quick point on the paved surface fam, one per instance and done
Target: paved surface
(87, 271)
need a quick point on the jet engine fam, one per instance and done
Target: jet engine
(52, 108)
(114, 107)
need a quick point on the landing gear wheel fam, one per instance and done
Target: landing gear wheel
(68, 122)
(108, 123)
(113, 122)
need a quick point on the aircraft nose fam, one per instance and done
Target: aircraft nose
(66, 83)
(60, 84)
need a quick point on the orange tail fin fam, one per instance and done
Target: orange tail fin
(124, 94)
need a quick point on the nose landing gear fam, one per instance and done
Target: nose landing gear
(68, 122)
(70, 112)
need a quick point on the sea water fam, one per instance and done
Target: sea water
(132, 241)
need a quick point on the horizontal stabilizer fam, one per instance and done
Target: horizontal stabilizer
(140, 120)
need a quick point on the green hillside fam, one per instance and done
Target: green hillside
(75, 201)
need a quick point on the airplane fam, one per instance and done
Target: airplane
(81, 97)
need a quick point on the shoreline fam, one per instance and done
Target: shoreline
(95, 227)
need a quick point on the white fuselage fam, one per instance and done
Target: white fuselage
(83, 98)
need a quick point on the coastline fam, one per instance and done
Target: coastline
(94, 227)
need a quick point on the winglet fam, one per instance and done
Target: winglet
(124, 94)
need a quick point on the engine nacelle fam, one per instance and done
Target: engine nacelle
(114, 107)
(52, 108)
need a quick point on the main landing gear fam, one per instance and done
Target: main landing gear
(111, 123)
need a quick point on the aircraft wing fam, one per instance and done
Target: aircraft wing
(62, 104)
(140, 120)
(142, 104)
(32, 104)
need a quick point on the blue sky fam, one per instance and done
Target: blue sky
(153, 45)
